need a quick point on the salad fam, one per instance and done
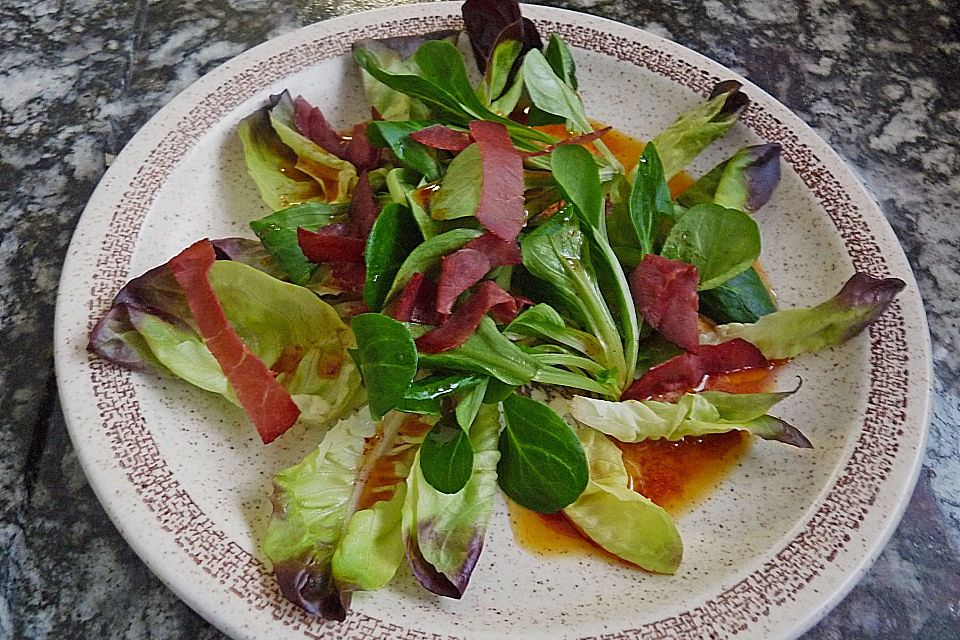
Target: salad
(471, 291)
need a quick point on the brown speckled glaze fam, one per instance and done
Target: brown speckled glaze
(790, 582)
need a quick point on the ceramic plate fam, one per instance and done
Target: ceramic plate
(186, 480)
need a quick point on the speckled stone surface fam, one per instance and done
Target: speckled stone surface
(879, 81)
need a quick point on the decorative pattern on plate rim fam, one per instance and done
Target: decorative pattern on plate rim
(824, 535)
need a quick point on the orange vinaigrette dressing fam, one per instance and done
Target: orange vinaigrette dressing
(674, 475)
(385, 474)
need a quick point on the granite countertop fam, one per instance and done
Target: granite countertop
(879, 81)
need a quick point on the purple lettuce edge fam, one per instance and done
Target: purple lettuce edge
(442, 584)
(869, 293)
(312, 589)
(762, 175)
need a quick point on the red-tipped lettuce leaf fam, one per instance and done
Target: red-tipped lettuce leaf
(444, 532)
(686, 372)
(157, 293)
(458, 272)
(665, 292)
(431, 579)
(273, 165)
(501, 209)
(745, 181)
(314, 592)
(267, 403)
(500, 252)
(465, 320)
(114, 337)
(487, 22)
(441, 137)
(790, 332)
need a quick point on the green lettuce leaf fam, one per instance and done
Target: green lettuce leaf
(692, 415)
(288, 327)
(788, 333)
(393, 55)
(273, 165)
(313, 504)
(459, 192)
(619, 519)
(321, 545)
(696, 129)
(278, 233)
(444, 533)
(336, 176)
(371, 549)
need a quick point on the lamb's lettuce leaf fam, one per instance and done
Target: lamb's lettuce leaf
(394, 55)
(393, 236)
(543, 321)
(278, 233)
(552, 94)
(692, 415)
(446, 456)
(426, 257)
(543, 466)
(502, 84)
(619, 519)
(387, 358)
(790, 332)
(578, 177)
(561, 60)
(444, 532)
(558, 255)
(410, 153)
(459, 192)
(489, 352)
(468, 403)
(743, 298)
(442, 84)
(721, 243)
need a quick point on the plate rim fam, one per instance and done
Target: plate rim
(150, 135)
